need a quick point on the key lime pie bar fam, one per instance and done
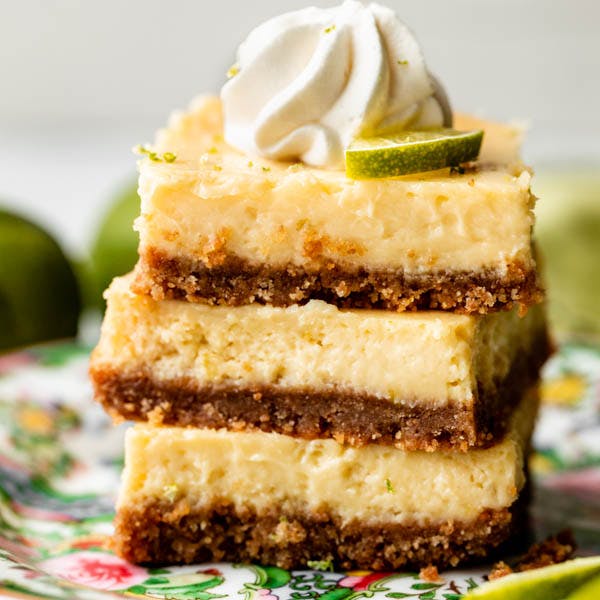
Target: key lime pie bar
(416, 380)
(193, 495)
(220, 227)
(228, 227)
(332, 339)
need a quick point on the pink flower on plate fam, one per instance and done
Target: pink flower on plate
(97, 570)
(11, 362)
(265, 594)
(582, 481)
(361, 581)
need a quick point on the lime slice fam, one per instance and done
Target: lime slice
(548, 583)
(114, 251)
(39, 295)
(590, 590)
(411, 152)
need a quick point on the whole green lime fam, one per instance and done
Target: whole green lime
(39, 295)
(114, 251)
(568, 233)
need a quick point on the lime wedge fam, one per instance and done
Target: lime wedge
(590, 590)
(39, 294)
(548, 583)
(411, 152)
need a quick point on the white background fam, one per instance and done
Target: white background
(82, 81)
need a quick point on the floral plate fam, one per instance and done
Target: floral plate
(60, 460)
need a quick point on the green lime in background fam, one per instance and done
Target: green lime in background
(114, 251)
(39, 294)
(568, 235)
(411, 152)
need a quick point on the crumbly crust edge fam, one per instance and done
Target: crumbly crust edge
(348, 416)
(226, 279)
(158, 532)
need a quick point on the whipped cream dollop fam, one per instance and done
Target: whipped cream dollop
(307, 82)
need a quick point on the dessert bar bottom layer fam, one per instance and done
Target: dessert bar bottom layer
(162, 533)
(234, 282)
(191, 495)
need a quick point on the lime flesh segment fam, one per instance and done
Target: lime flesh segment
(411, 152)
(548, 583)
(590, 590)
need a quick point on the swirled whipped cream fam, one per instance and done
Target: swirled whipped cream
(307, 82)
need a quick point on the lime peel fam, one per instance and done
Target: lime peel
(590, 590)
(546, 583)
(411, 152)
(34, 261)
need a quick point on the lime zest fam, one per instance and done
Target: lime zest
(320, 565)
(143, 150)
(410, 152)
(170, 492)
(233, 70)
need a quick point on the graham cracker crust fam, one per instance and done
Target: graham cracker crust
(348, 416)
(233, 281)
(158, 532)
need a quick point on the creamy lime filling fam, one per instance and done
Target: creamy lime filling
(275, 213)
(431, 358)
(374, 484)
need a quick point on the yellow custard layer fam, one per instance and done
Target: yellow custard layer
(279, 213)
(429, 357)
(374, 484)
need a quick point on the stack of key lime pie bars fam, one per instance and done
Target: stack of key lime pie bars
(332, 339)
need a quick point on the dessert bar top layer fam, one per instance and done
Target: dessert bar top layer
(431, 359)
(213, 203)
(372, 484)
